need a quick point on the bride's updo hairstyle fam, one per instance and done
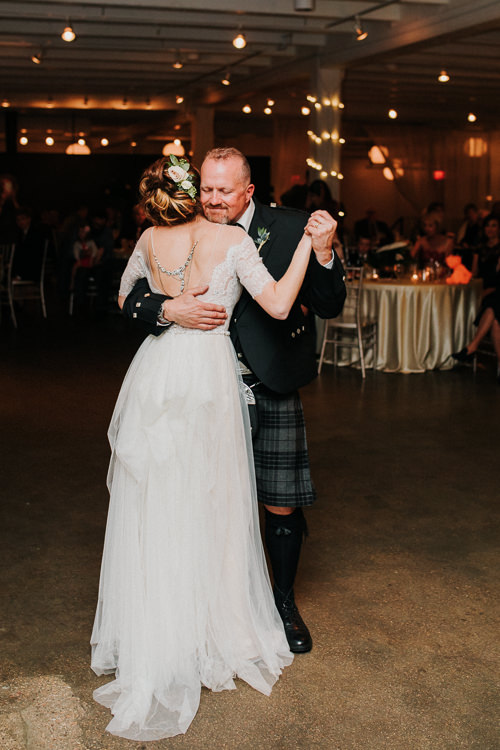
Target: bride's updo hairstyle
(170, 192)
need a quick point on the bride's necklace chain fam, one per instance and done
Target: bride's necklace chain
(179, 273)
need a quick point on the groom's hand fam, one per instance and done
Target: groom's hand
(190, 312)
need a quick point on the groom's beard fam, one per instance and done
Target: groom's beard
(217, 214)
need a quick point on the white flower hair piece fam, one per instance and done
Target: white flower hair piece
(178, 171)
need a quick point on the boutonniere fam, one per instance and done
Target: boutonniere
(263, 235)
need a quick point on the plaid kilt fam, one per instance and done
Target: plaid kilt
(280, 451)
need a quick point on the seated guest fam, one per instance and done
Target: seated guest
(102, 271)
(470, 233)
(8, 206)
(30, 242)
(362, 253)
(378, 231)
(85, 254)
(433, 245)
(489, 248)
(488, 317)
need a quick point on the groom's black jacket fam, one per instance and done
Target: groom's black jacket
(281, 353)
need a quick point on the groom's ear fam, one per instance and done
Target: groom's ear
(249, 192)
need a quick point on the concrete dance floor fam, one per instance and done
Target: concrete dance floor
(398, 579)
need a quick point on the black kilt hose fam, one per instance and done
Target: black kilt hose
(280, 450)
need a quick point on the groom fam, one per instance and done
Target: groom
(276, 356)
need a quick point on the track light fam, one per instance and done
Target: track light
(226, 79)
(360, 34)
(239, 41)
(247, 109)
(68, 35)
(177, 65)
(36, 57)
(471, 117)
(443, 77)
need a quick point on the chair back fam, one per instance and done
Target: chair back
(354, 289)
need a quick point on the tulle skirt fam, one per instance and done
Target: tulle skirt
(184, 594)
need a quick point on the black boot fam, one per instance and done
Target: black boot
(283, 541)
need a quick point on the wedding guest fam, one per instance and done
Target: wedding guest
(488, 248)
(30, 243)
(370, 226)
(433, 245)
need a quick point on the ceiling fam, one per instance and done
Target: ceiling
(124, 51)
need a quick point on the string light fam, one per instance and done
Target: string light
(268, 111)
(471, 117)
(49, 140)
(271, 102)
(179, 99)
(239, 41)
(305, 111)
(68, 35)
(23, 140)
(247, 109)
(392, 113)
(104, 142)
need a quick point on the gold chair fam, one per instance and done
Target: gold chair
(18, 290)
(350, 329)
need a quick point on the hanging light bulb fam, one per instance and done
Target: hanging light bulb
(392, 113)
(68, 35)
(179, 99)
(360, 34)
(268, 111)
(271, 102)
(443, 77)
(104, 142)
(49, 140)
(23, 140)
(247, 109)
(471, 117)
(305, 111)
(239, 41)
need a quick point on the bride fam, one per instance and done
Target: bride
(184, 595)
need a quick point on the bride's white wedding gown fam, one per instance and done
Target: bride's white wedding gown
(184, 594)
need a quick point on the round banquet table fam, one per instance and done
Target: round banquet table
(419, 324)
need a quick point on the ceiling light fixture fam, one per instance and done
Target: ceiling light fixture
(68, 35)
(471, 117)
(5, 103)
(177, 65)
(226, 80)
(36, 57)
(179, 99)
(247, 109)
(49, 141)
(304, 5)
(443, 77)
(360, 34)
(392, 113)
(104, 142)
(23, 140)
(239, 41)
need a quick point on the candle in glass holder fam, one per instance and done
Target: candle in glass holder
(414, 276)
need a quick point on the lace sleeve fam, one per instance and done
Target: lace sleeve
(136, 267)
(250, 269)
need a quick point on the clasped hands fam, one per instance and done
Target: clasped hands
(190, 312)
